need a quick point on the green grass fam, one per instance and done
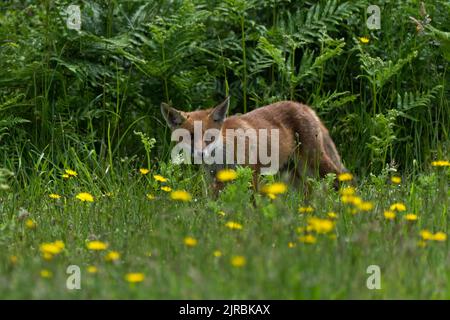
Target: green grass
(149, 236)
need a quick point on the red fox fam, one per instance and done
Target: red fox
(299, 131)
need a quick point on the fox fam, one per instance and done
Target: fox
(301, 135)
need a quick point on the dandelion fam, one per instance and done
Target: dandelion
(308, 209)
(291, 245)
(309, 239)
(345, 177)
(49, 249)
(30, 224)
(144, 171)
(96, 245)
(92, 269)
(397, 207)
(150, 196)
(389, 215)
(181, 195)
(411, 217)
(13, 259)
(347, 191)
(441, 163)
(217, 253)
(134, 277)
(159, 178)
(70, 173)
(426, 235)
(332, 215)
(233, 225)
(439, 236)
(271, 196)
(274, 188)
(46, 273)
(364, 40)
(226, 175)
(365, 206)
(166, 188)
(396, 180)
(54, 196)
(112, 256)
(221, 213)
(85, 197)
(321, 225)
(190, 242)
(65, 176)
(238, 261)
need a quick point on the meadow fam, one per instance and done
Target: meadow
(86, 178)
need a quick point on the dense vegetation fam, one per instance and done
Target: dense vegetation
(88, 101)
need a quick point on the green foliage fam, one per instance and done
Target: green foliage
(63, 90)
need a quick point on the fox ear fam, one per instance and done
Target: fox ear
(219, 113)
(173, 117)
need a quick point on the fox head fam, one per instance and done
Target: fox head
(212, 118)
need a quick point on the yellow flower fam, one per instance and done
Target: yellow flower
(46, 273)
(440, 163)
(397, 207)
(345, 176)
(59, 244)
(221, 213)
(238, 261)
(439, 236)
(134, 277)
(144, 171)
(217, 253)
(364, 40)
(291, 245)
(355, 200)
(30, 224)
(92, 269)
(320, 225)
(396, 180)
(54, 196)
(308, 209)
(159, 178)
(365, 206)
(65, 176)
(309, 238)
(166, 189)
(181, 195)
(347, 191)
(389, 215)
(190, 242)
(112, 256)
(150, 196)
(426, 235)
(274, 188)
(226, 175)
(85, 197)
(332, 215)
(271, 196)
(70, 173)
(233, 225)
(97, 245)
(13, 259)
(411, 217)
(49, 249)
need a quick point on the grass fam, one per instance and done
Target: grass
(150, 237)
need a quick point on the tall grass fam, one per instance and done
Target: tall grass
(386, 101)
